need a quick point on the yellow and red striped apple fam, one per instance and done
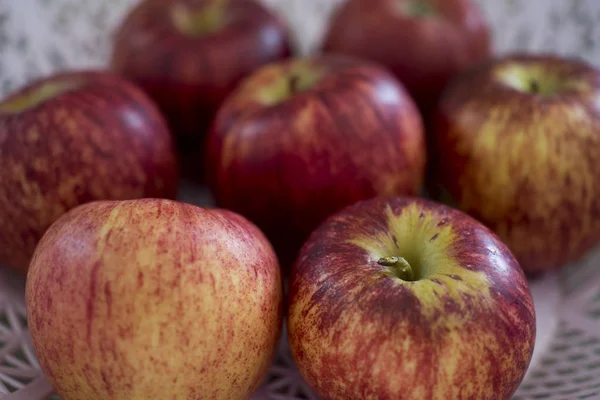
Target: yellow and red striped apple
(425, 43)
(190, 54)
(403, 298)
(518, 147)
(72, 138)
(300, 139)
(154, 299)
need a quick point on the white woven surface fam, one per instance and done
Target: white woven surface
(38, 37)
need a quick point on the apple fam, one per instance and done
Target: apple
(72, 138)
(425, 43)
(405, 298)
(154, 299)
(517, 146)
(189, 55)
(302, 138)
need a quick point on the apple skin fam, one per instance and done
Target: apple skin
(423, 51)
(353, 134)
(154, 299)
(527, 165)
(190, 75)
(464, 330)
(89, 136)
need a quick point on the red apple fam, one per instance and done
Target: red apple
(154, 299)
(518, 145)
(189, 55)
(400, 298)
(424, 42)
(302, 138)
(73, 138)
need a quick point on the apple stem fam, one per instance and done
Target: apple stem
(294, 83)
(535, 87)
(402, 267)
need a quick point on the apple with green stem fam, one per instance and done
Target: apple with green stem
(154, 299)
(517, 145)
(407, 298)
(190, 54)
(302, 138)
(71, 138)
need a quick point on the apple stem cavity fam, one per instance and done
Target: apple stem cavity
(421, 9)
(401, 268)
(297, 78)
(205, 21)
(416, 8)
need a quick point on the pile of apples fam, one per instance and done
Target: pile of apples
(402, 182)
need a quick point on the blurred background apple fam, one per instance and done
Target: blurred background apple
(73, 138)
(189, 54)
(302, 138)
(517, 145)
(424, 43)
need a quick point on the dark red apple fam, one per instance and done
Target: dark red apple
(72, 138)
(424, 42)
(302, 138)
(518, 147)
(189, 55)
(400, 298)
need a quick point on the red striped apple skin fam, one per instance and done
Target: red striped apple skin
(425, 43)
(289, 160)
(189, 74)
(525, 164)
(73, 138)
(465, 329)
(154, 299)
